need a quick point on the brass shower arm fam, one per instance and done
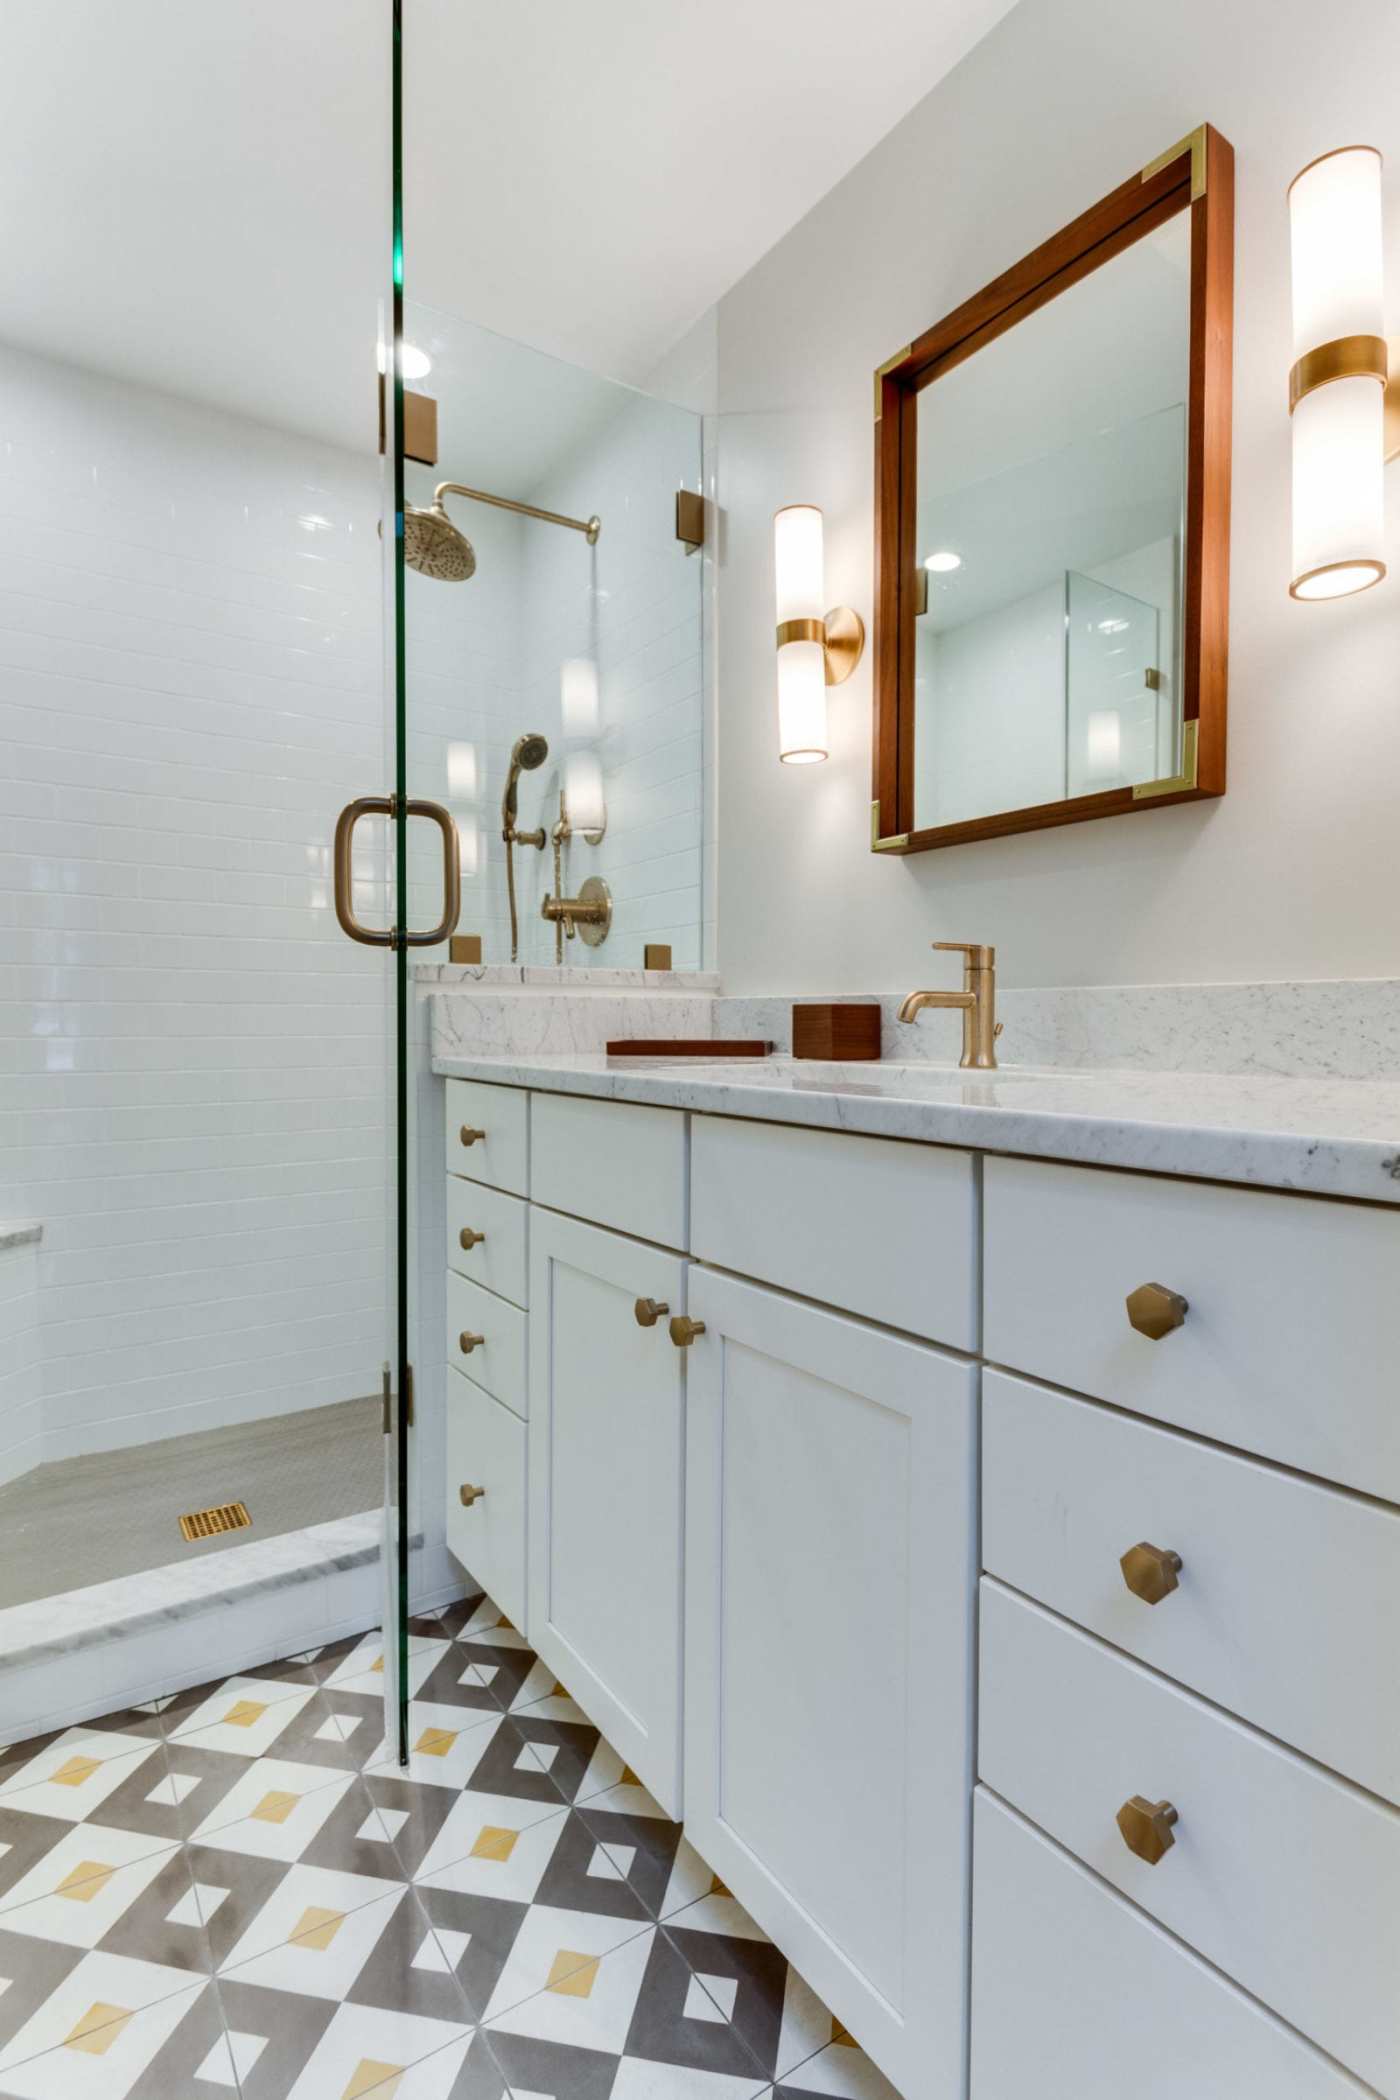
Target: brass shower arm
(589, 527)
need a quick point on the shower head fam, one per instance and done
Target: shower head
(527, 752)
(433, 545)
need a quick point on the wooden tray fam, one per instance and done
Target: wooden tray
(685, 1046)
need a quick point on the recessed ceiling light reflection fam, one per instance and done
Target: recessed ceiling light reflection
(416, 363)
(943, 563)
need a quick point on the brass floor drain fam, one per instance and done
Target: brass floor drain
(208, 1523)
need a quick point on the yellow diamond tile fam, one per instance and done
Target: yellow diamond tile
(244, 1712)
(98, 2029)
(436, 1742)
(86, 1880)
(629, 1777)
(572, 1975)
(717, 1887)
(839, 2034)
(274, 1807)
(383, 2080)
(494, 1843)
(76, 1771)
(377, 1666)
(316, 1928)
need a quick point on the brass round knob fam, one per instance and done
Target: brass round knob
(1154, 1310)
(684, 1331)
(649, 1310)
(468, 1135)
(1150, 1571)
(467, 1341)
(470, 1239)
(467, 1494)
(1147, 1828)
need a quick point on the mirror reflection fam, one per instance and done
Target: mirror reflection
(1050, 525)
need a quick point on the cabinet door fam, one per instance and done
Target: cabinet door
(486, 1450)
(606, 1487)
(830, 1548)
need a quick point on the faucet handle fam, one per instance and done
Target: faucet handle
(979, 957)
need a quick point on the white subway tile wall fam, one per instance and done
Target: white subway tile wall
(19, 1361)
(190, 688)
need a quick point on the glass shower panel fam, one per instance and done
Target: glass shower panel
(1119, 711)
(564, 664)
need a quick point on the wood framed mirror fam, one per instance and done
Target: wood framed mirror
(1052, 524)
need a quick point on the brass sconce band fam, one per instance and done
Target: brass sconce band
(1346, 357)
(801, 631)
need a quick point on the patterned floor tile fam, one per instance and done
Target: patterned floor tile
(99, 2031)
(480, 1926)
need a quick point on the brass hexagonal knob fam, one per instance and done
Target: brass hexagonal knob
(1150, 1571)
(647, 1311)
(467, 1494)
(1147, 1828)
(1154, 1310)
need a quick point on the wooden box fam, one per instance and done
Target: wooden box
(835, 1031)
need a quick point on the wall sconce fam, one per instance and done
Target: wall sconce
(1339, 394)
(815, 649)
(583, 807)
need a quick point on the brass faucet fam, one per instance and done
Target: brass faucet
(591, 909)
(977, 1002)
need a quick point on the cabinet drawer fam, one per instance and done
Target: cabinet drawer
(1288, 1593)
(613, 1163)
(486, 1448)
(1077, 1996)
(1286, 1346)
(497, 1258)
(871, 1225)
(488, 1134)
(497, 1360)
(1286, 1878)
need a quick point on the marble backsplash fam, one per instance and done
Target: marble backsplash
(1346, 1029)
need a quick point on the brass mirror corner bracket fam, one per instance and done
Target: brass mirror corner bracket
(841, 634)
(1195, 143)
(1182, 783)
(896, 843)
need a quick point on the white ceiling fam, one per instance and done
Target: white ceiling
(195, 193)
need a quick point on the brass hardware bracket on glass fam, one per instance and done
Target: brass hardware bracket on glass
(390, 936)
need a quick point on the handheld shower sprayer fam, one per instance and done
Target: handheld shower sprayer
(528, 752)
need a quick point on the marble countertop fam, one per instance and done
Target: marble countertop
(1328, 1137)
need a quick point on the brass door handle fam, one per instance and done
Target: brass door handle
(468, 1135)
(1150, 1571)
(469, 1239)
(467, 1341)
(1147, 1828)
(684, 1331)
(389, 937)
(467, 1494)
(649, 1310)
(1154, 1310)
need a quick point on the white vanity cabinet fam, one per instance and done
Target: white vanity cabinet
(907, 1378)
(607, 1435)
(830, 1562)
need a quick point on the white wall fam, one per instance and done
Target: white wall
(190, 688)
(21, 1413)
(1293, 873)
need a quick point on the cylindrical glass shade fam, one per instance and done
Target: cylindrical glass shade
(801, 702)
(583, 791)
(578, 696)
(797, 562)
(1338, 428)
(1338, 502)
(1334, 210)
